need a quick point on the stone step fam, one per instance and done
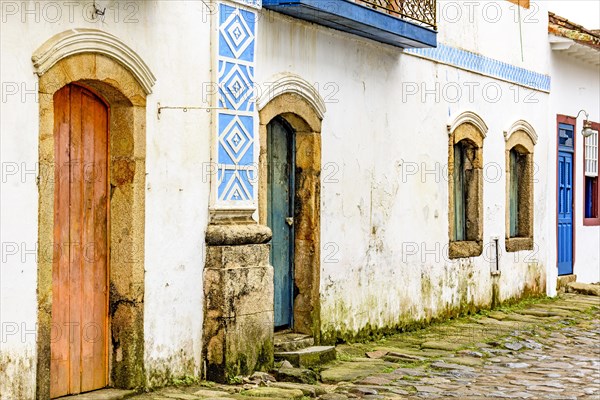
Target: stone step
(584, 288)
(308, 357)
(563, 281)
(290, 341)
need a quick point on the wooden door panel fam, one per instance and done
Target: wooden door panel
(281, 187)
(59, 338)
(75, 234)
(79, 305)
(87, 262)
(100, 175)
(94, 312)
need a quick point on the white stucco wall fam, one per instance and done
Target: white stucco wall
(575, 86)
(384, 153)
(492, 28)
(384, 224)
(173, 39)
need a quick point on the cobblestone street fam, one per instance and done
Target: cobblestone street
(545, 350)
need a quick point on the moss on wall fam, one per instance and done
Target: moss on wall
(13, 367)
(433, 308)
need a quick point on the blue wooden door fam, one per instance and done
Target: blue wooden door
(280, 153)
(565, 200)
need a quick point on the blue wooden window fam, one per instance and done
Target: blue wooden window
(565, 135)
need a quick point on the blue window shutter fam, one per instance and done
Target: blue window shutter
(459, 193)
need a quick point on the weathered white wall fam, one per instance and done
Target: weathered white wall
(575, 86)
(491, 28)
(384, 219)
(19, 213)
(384, 188)
(173, 39)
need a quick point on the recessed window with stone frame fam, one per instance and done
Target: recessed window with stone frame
(519, 190)
(465, 181)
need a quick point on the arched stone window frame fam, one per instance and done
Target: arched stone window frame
(521, 137)
(470, 127)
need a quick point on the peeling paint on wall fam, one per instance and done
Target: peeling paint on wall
(18, 375)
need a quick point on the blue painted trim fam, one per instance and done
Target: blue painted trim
(353, 18)
(250, 3)
(484, 65)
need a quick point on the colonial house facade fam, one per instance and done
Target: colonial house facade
(575, 70)
(181, 180)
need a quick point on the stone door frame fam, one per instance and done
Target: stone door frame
(295, 101)
(105, 65)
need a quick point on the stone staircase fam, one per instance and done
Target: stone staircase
(299, 350)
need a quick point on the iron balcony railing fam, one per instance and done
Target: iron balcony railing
(420, 11)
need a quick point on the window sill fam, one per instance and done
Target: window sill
(591, 222)
(519, 244)
(465, 248)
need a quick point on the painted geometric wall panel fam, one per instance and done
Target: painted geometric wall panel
(236, 184)
(236, 89)
(236, 38)
(236, 140)
(236, 128)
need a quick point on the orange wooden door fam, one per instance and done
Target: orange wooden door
(80, 266)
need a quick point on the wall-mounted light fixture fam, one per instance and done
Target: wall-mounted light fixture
(587, 130)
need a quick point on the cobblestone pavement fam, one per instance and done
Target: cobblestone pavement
(546, 350)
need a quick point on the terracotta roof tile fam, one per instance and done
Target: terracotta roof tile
(561, 26)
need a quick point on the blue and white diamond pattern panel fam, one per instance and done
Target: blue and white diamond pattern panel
(236, 88)
(236, 184)
(236, 129)
(236, 33)
(236, 140)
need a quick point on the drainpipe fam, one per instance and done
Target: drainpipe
(495, 271)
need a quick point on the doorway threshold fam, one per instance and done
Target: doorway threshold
(101, 394)
(290, 341)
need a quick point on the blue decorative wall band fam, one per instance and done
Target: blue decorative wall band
(484, 65)
(236, 143)
(250, 3)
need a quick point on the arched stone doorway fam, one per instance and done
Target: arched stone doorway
(298, 106)
(114, 73)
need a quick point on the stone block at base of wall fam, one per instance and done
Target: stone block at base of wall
(238, 310)
(563, 280)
